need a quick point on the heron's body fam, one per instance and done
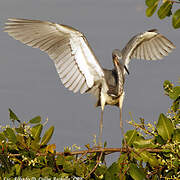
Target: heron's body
(76, 64)
(109, 91)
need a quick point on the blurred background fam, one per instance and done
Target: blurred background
(29, 83)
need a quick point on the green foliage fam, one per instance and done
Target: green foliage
(176, 19)
(165, 10)
(152, 6)
(149, 151)
(165, 127)
(47, 136)
(13, 116)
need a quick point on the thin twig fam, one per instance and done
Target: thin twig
(82, 156)
(98, 161)
(121, 170)
(174, 1)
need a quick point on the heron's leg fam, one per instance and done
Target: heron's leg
(121, 121)
(100, 129)
(103, 102)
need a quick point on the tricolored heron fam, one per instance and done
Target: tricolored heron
(76, 64)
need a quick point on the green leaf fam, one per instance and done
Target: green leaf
(9, 133)
(5, 162)
(112, 172)
(136, 173)
(100, 171)
(105, 144)
(175, 93)
(130, 136)
(2, 137)
(144, 143)
(68, 167)
(147, 157)
(13, 116)
(136, 156)
(170, 13)
(69, 158)
(9, 174)
(122, 159)
(165, 127)
(159, 140)
(36, 131)
(47, 136)
(169, 174)
(60, 160)
(46, 171)
(35, 120)
(35, 145)
(64, 175)
(155, 177)
(167, 85)
(176, 136)
(176, 19)
(150, 10)
(108, 176)
(165, 9)
(20, 130)
(80, 169)
(18, 169)
(150, 3)
(31, 172)
(175, 105)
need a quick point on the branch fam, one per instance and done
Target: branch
(103, 150)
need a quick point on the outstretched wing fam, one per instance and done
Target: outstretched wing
(75, 61)
(149, 45)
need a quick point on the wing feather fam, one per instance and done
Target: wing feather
(150, 52)
(67, 70)
(75, 83)
(74, 59)
(80, 83)
(84, 88)
(153, 51)
(149, 45)
(142, 51)
(68, 76)
(73, 78)
(138, 52)
(162, 48)
(158, 53)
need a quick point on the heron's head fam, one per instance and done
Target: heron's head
(117, 53)
(117, 59)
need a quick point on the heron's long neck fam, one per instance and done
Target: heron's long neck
(120, 78)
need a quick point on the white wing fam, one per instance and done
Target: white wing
(75, 62)
(149, 45)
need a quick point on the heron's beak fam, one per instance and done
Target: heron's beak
(117, 62)
(126, 69)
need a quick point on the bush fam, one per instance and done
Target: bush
(166, 9)
(149, 151)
